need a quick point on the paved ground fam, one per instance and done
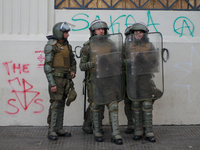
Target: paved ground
(31, 138)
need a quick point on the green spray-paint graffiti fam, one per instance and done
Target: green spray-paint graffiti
(186, 23)
(112, 23)
(127, 20)
(150, 19)
(81, 18)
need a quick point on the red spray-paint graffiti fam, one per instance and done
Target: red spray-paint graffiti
(21, 89)
(21, 68)
(40, 58)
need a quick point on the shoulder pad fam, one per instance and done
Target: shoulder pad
(52, 42)
(47, 49)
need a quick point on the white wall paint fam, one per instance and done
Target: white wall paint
(22, 39)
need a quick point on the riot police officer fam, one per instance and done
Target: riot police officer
(60, 69)
(101, 86)
(142, 62)
(86, 65)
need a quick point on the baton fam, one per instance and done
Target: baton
(85, 94)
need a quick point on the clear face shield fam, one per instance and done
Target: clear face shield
(66, 26)
(97, 25)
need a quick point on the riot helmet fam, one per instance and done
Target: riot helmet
(136, 27)
(97, 24)
(59, 28)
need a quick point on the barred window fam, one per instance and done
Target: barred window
(184, 5)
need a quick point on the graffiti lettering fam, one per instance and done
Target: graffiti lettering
(112, 23)
(36, 102)
(79, 17)
(22, 90)
(14, 67)
(126, 21)
(184, 22)
(190, 78)
(40, 58)
(82, 20)
(26, 89)
(152, 22)
(12, 113)
(115, 25)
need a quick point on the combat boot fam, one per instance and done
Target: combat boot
(113, 116)
(147, 107)
(129, 115)
(52, 130)
(116, 137)
(96, 126)
(87, 124)
(60, 131)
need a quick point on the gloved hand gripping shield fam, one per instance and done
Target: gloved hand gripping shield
(144, 66)
(107, 77)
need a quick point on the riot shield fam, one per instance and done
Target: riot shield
(144, 66)
(107, 78)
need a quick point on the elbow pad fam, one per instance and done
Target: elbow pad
(48, 57)
(47, 70)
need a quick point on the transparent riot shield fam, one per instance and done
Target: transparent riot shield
(144, 66)
(107, 78)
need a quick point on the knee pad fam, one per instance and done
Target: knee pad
(56, 105)
(95, 107)
(136, 104)
(147, 105)
(113, 107)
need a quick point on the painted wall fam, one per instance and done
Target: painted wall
(180, 102)
(24, 96)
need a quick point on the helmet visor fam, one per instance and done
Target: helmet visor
(98, 24)
(64, 27)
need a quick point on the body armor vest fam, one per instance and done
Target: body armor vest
(143, 47)
(140, 47)
(62, 57)
(103, 48)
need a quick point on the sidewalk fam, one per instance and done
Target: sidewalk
(35, 137)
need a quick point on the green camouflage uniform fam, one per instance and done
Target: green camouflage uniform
(88, 65)
(143, 88)
(84, 65)
(63, 81)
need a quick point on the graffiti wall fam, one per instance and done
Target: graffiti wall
(24, 96)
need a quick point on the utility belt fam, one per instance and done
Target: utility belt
(62, 75)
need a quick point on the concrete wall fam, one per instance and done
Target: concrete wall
(23, 27)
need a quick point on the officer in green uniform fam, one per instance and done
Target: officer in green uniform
(60, 69)
(99, 27)
(127, 102)
(85, 65)
(145, 60)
